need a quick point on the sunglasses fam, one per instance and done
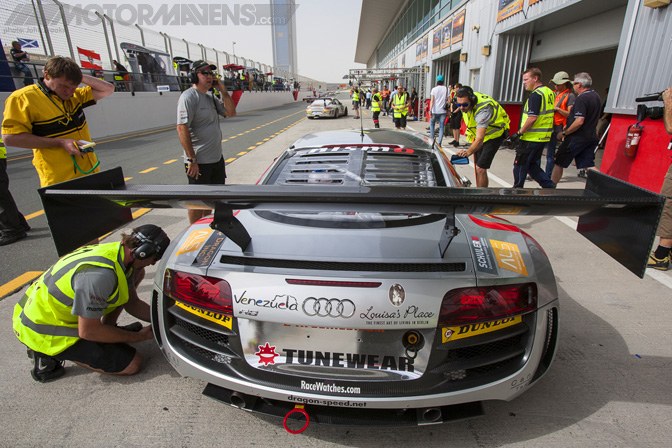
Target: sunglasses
(207, 73)
(462, 104)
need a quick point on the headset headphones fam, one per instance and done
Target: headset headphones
(152, 240)
(195, 66)
(470, 93)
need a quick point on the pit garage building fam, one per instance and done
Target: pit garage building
(487, 44)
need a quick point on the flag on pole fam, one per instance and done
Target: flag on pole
(28, 43)
(89, 59)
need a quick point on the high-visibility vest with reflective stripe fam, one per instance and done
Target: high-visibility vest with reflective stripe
(543, 126)
(3, 150)
(43, 318)
(376, 102)
(355, 95)
(399, 101)
(498, 123)
(561, 102)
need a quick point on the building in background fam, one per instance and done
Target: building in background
(283, 28)
(487, 44)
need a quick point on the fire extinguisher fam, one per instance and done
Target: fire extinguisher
(632, 142)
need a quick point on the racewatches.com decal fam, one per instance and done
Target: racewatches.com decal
(319, 386)
(509, 257)
(483, 256)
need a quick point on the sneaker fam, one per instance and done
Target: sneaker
(45, 368)
(582, 173)
(455, 143)
(356, 118)
(658, 263)
(9, 238)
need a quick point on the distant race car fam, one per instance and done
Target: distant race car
(360, 282)
(326, 107)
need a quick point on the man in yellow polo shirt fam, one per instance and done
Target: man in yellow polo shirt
(48, 117)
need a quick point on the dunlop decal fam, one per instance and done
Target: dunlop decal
(466, 331)
(220, 319)
(483, 257)
(509, 257)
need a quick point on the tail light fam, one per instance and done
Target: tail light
(208, 293)
(472, 305)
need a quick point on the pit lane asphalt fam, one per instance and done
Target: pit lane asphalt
(609, 385)
(149, 158)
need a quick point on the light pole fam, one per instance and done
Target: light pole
(234, 49)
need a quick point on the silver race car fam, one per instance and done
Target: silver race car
(326, 107)
(362, 283)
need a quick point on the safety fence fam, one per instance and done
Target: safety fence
(94, 39)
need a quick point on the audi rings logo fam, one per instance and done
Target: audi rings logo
(323, 307)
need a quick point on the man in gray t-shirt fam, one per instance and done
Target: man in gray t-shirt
(198, 113)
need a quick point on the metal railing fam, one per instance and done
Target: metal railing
(63, 29)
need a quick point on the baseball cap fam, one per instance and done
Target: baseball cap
(439, 78)
(560, 78)
(197, 65)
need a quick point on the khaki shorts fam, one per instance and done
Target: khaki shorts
(665, 226)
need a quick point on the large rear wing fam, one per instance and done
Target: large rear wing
(618, 217)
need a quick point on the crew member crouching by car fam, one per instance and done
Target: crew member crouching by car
(71, 311)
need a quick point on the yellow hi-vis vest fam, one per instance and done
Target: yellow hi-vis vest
(543, 127)
(376, 102)
(498, 123)
(400, 100)
(355, 95)
(43, 318)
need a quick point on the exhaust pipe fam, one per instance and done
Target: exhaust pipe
(431, 415)
(239, 400)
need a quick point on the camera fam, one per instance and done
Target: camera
(653, 113)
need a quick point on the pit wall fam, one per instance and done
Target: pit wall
(122, 113)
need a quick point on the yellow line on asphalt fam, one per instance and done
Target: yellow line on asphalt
(148, 170)
(18, 282)
(230, 160)
(127, 178)
(170, 161)
(251, 147)
(34, 215)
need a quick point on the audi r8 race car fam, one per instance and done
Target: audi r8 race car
(326, 107)
(361, 282)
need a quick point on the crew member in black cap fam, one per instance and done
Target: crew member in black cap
(71, 311)
(198, 112)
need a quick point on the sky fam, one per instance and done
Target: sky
(326, 34)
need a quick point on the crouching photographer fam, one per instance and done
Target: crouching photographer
(660, 258)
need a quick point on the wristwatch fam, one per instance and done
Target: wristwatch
(191, 160)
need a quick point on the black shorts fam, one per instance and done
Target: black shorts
(486, 153)
(110, 358)
(456, 120)
(209, 173)
(582, 152)
(400, 122)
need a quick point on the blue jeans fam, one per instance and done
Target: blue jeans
(28, 76)
(441, 119)
(528, 160)
(550, 149)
